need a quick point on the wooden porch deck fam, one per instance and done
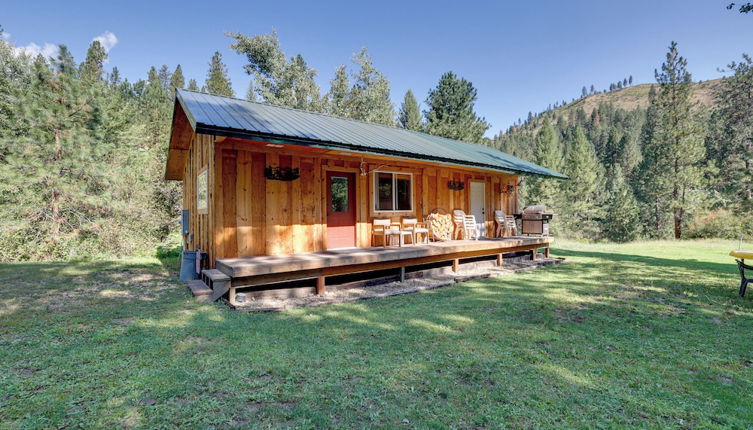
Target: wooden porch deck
(262, 270)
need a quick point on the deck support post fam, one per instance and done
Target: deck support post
(231, 296)
(320, 286)
(402, 273)
(455, 265)
(533, 254)
(546, 252)
(499, 259)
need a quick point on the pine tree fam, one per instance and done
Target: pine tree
(337, 98)
(155, 109)
(93, 67)
(451, 110)
(217, 81)
(583, 92)
(654, 216)
(621, 222)
(192, 85)
(156, 105)
(582, 193)
(114, 77)
(165, 77)
(734, 155)
(629, 156)
(152, 77)
(671, 167)
(60, 191)
(630, 80)
(69, 141)
(15, 82)
(547, 153)
(409, 116)
(369, 97)
(611, 150)
(177, 80)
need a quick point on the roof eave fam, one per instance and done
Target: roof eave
(244, 134)
(175, 154)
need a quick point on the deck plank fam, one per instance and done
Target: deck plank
(273, 264)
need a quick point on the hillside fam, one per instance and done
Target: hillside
(630, 98)
(636, 96)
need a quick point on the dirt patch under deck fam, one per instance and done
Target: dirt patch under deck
(345, 295)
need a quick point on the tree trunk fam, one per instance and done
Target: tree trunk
(679, 214)
(57, 219)
(748, 193)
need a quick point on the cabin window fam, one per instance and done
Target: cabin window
(393, 192)
(339, 194)
(202, 192)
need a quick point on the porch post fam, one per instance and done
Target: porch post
(231, 296)
(320, 286)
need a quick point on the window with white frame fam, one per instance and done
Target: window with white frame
(202, 192)
(393, 192)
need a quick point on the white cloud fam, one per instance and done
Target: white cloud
(32, 50)
(107, 39)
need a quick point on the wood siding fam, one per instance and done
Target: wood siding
(200, 153)
(249, 215)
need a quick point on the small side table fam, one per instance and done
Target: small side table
(740, 257)
(743, 280)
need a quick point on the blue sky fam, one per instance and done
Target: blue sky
(521, 56)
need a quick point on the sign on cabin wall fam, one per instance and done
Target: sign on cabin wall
(202, 191)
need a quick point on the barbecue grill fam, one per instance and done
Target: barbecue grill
(534, 220)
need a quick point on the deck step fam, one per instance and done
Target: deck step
(218, 282)
(215, 275)
(199, 289)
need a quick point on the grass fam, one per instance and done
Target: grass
(648, 334)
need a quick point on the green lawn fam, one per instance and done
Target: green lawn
(648, 334)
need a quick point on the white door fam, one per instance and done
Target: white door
(478, 193)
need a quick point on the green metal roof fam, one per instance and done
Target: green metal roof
(232, 117)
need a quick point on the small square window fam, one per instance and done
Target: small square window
(393, 192)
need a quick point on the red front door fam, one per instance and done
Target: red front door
(341, 209)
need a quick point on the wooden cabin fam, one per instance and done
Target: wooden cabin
(262, 180)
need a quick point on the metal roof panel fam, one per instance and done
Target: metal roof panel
(228, 115)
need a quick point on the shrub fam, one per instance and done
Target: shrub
(720, 223)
